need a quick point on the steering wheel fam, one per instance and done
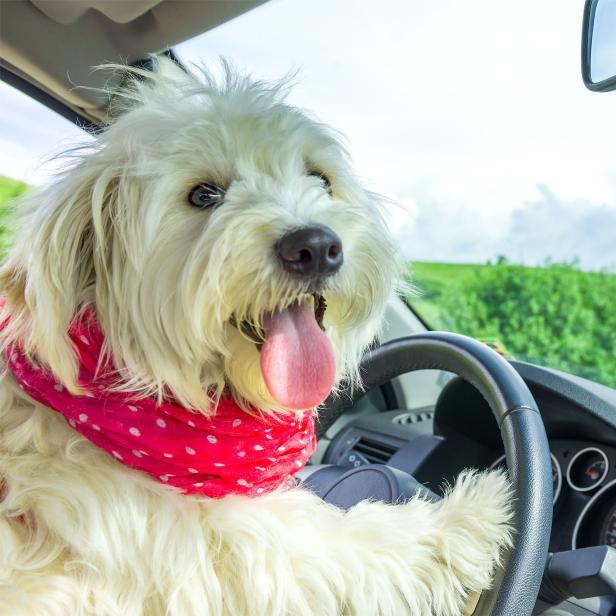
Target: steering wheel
(516, 584)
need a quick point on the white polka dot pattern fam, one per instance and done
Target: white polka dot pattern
(232, 452)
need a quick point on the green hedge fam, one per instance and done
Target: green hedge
(556, 315)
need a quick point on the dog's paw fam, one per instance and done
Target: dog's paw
(475, 516)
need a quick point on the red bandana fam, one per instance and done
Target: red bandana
(230, 453)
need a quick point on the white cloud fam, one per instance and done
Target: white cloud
(562, 228)
(546, 226)
(457, 109)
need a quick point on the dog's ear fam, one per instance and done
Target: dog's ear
(60, 250)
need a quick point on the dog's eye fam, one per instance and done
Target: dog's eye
(206, 195)
(324, 179)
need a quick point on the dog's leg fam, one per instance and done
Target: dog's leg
(105, 539)
(418, 558)
(280, 554)
(33, 579)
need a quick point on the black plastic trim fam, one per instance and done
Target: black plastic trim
(345, 488)
(46, 99)
(417, 315)
(598, 400)
(606, 85)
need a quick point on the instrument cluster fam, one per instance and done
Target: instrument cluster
(584, 486)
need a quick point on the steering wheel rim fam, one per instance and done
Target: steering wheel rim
(516, 584)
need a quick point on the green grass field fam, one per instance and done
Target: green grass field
(557, 315)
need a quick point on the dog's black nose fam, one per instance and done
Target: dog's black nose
(312, 252)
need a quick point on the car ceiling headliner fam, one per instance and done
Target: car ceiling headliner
(53, 44)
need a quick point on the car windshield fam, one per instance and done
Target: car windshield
(472, 119)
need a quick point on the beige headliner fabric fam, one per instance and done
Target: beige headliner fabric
(57, 54)
(69, 11)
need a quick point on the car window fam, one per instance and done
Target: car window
(473, 118)
(31, 136)
(31, 139)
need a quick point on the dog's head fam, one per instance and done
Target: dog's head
(221, 236)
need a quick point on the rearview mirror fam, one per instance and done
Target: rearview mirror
(599, 45)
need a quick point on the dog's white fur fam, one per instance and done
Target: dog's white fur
(82, 534)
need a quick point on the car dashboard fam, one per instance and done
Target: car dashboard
(436, 442)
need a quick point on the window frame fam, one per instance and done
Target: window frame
(47, 100)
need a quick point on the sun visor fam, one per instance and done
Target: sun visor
(54, 44)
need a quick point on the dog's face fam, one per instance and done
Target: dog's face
(224, 241)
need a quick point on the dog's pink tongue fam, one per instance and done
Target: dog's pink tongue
(297, 359)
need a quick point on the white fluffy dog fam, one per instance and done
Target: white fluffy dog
(217, 251)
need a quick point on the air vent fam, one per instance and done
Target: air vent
(413, 418)
(374, 451)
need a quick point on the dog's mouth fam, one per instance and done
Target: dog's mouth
(257, 334)
(297, 358)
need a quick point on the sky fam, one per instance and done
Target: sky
(471, 115)
(30, 135)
